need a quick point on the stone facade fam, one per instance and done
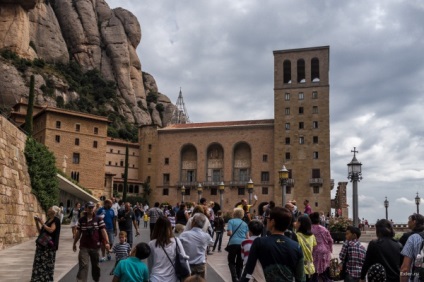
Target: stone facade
(78, 141)
(234, 152)
(18, 206)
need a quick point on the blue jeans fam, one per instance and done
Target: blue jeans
(218, 237)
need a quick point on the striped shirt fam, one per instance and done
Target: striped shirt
(245, 248)
(122, 251)
(91, 236)
(355, 257)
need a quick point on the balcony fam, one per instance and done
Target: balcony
(315, 181)
(208, 184)
(289, 182)
(187, 184)
(238, 183)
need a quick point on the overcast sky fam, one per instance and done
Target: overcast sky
(220, 53)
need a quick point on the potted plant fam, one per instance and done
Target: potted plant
(337, 228)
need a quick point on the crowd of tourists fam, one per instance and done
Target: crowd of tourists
(280, 244)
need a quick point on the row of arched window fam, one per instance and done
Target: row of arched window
(301, 71)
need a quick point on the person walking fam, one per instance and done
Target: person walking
(154, 213)
(108, 215)
(219, 226)
(45, 256)
(354, 253)
(74, 215)
(195, 243)
(281, 258)
(90, 229)
(323, 250)
(307, 242)
(237, 230)
(181, 217)
(384, 251)
(163, 248)
(126, 221)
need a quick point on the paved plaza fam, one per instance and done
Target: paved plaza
(16, 262)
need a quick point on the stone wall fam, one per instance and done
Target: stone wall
(18, 205)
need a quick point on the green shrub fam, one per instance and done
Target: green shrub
(42, 171)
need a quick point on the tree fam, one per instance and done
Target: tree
(28, 119)
(124, 196)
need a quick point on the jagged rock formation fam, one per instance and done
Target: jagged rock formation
(85, 31)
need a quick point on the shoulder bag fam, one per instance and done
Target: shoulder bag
(44, 240)
(226, 248)
(181, 266)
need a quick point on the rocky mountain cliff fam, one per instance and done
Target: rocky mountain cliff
(81, 53)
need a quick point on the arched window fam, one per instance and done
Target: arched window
(301, 71)
(131, 189)
(287, 71)
(136, 189)
(315, 70)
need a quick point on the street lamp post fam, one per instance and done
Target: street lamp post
(355, 175)
(221, 192)
(199, 192)
(386, 205)
(417, 202)
(283, 175)
(182, 193)
(250, 190)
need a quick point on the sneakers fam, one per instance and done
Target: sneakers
(109, 257)
(103, 259)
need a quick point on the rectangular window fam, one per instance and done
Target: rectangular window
(301, 125)
(110, 163)
(314, 95)
(265, 176)
(214, 191)
(121, 163)
(264, 158)
(287, 140)
(287, 156)
(57, 138)
(240, 191)
(315, 139)
(96, 130)
(77, 141)
(77, 127)
(300, 95)
(315, 109)
(165, 192)
(187, 192)
(111, 150)
(264, 190)
(300, 110)
(287, 111)
(149, 160)
(287, 96)
(316, 189)
(94, 144)
(166, 161)
(216, 175)
(191, 176)
(288, 190)
(150, 147)
(301, 140)
(58, 124)
(315, 155)
(243, 176)
(315, 124)
(119, 151)
(166, 178)
(316, 173)
(76, 158)
(287, 126)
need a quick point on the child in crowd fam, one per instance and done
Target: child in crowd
(132, 268)
(145, 219)
(255, 230)
(355, 254)
(218, 226)
(121, 250)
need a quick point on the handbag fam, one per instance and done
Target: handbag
(44, 240)
(181, 266)
(227, 249)
(335, 273)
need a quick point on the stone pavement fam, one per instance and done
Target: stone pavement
(16, 262)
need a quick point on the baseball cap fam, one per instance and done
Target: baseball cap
(89, 205)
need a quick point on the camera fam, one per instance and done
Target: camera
(35, 217)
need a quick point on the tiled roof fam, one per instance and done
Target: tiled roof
(72, 113)
(110, 140)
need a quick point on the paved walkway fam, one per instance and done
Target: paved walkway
(16, 262)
